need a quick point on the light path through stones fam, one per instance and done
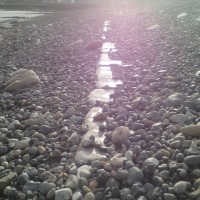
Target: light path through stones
(104, 79)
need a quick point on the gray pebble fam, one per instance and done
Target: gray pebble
(181, 187)
(63, 194)
(77, 196)
(168, 196)
(46, 187)
(31, 186)
(31, 171)
(73, 139)
(89, 196)
(72, 182)
(134, 175)
(192, 160)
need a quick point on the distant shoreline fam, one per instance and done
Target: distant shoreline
(50, 6)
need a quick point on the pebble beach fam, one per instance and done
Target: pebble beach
(115, 122)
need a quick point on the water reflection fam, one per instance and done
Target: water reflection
(18, 15)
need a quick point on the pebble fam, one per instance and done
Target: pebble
(51, 194)
(56, 153)
(89, 196)
(181, 187)
(73, 139)
(72, 182)
(116, 162)
(175, 144)
(10, 192)
(168, 196)
(134, 175)
(84, 171)
(22, 144)
(178, 118)
(31, 186)
(175, 100)
(99, 195)
(77, 196)
(150, 164)
(120, 135)
(86, 189)
(197, 183)
(121, 175)
(6, 180)
(191, 131)
(112, 182)
(192, 160)
(31, 171)
(195, 194)
(46, 187)
(23, 178)
(41, 150)
(137, 190)
(63, 194)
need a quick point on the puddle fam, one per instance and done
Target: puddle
(100, 95)
(108, 47)
(104, 75)
(93, 130)
(110, 62)
(182, 15)
(106, 24)
(105, 87)
(104, 72)
(109, 83)
(89, 118)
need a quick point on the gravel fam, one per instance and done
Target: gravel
(147, 135)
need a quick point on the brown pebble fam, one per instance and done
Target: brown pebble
(86, 189)
(93, 185)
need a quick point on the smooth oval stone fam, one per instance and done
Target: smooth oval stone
(181, 187)
(192, 160)
(168, 196)
(195, 194)
(178, 118)
(192, 130)
(134, 175)
(151, 161)
(175, 100)
(63, 194)
(89, 196)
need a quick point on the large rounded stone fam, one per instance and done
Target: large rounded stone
(46, 187)
(195, 194)
(175, 100)
(168, 196)
(63, 194)
(120, 135)
(192, 130)
(181, 187)
(134, 175)
(72, 182)
(116, 162)
(21, 78)
(192, 160)
(150, 163)
(89, 196)
(178, 118)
